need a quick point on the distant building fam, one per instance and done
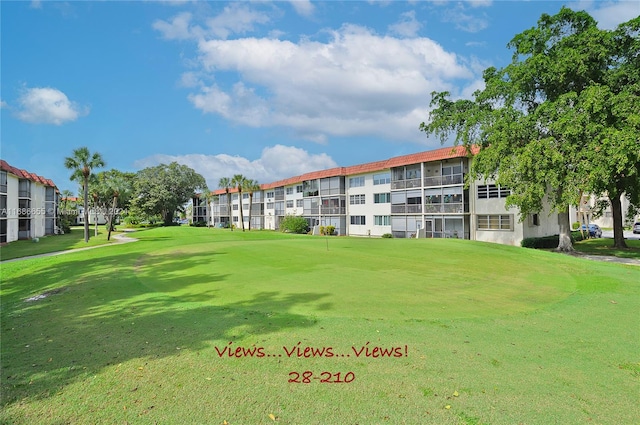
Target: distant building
(585, 212)
(417, 195)
(28, 204)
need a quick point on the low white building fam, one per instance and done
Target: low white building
(28, 204)
(417, 195)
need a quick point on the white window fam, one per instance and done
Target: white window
(358, 220)
(356, 199)
(487, 191)
(356, 181)
(383, 178)
(495, 222)
(290, 203)
(289, 191)
(382, 220)
(381, 198)
(299, 188)
(299, 203)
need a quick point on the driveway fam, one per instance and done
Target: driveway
(628, 234)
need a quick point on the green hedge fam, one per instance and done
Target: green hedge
(548, 242)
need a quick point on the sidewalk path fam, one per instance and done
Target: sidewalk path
(118, 239)
(608, 258)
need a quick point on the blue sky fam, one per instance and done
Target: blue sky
(265, 89)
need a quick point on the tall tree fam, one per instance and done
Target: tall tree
(225, 183)
(208, 197)
(528, 123)
(609, 113)
(119, 189)
(251, 186)
(81, 163)
(164, 189)
(239, 181)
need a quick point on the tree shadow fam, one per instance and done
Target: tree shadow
(97, 312)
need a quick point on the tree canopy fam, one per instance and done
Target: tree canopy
(559, 120)
(164, 189)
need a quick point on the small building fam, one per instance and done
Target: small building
(28, 204)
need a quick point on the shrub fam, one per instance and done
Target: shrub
(199, 223)
(330, 230)
(548, 242)
(387, 236)
(575, 225)
(65, 224)
(322, 230)
(294, 224)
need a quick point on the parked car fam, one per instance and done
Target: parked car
(594, 230)
(636, 228)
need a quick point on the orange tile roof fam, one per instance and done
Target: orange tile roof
(398, 161)
(24, 174)
(415, 158)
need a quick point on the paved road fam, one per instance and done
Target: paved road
(628, 234)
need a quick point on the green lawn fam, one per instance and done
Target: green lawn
(604, 247)
(473, 333)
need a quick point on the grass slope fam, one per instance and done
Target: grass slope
(478, 333)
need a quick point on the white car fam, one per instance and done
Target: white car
(636, 228)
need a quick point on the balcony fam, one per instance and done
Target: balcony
(457, 208)
(443, 180)
(333, 211)
(406, 209)
(405, 184)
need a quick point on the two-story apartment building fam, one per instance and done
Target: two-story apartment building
(28, 204)
(417, 195)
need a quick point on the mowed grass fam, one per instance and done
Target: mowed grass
(46, 244)
(605, 247)
(474, 333)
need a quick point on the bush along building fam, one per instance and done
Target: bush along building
(420, 195)
(28, 204)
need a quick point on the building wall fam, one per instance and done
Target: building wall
(34, 215)
(12, 207)
(370, 209)
(424, 196)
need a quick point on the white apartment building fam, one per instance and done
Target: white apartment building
(417, 195)
(585, 212)
(28, 204)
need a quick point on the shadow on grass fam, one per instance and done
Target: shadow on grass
(97, 313)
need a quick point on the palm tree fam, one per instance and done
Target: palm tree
(250, 187)
(82, 162)
(207, 196)
(225, 183)
(239, 181)
(118, 187)
(65, 195)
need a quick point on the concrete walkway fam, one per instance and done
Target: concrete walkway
(119, 238)
(608, 258)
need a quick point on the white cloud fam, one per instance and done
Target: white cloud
(357, 83)
(303, 7)
(408, 26)
(234, 19)
(178, 29)
(3, 104)
(465, 21)
(276, 162)
(47, 105)
(610, 14)
(480, 3)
